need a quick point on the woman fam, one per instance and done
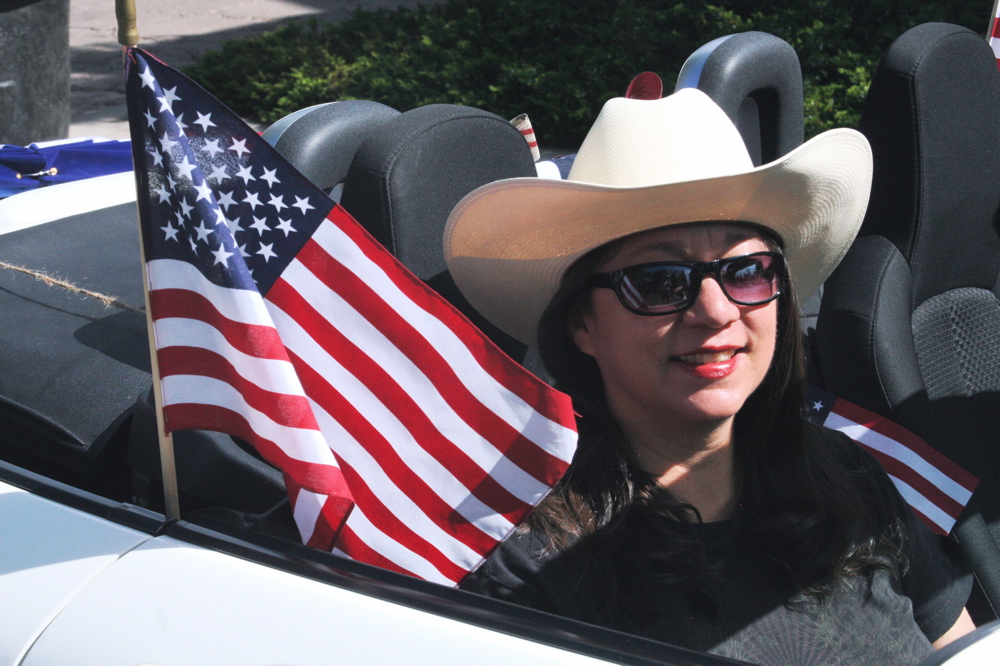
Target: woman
(658, 283)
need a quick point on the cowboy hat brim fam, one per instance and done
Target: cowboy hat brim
(509, 243)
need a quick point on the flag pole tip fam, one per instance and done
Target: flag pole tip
(128, 34)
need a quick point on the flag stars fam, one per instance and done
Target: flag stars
(220, 218)
(221, 255)
(252, 199)
(239, 147)
(269, 176)
(302, 204)
(185, 168)
(243, 251)
(817, 406)
(226, 200)
(203, 232)
(157, 157)
(171, 95)
(212, 147)
(245, 175)
(205, 120)
(278, 201)
(219, 173)
(186, 208)
(180, 122)
(166, 143)
(266, 251)
(148, 79)
(285, 225)
(260, 224)
(171, 232)
(150, 118)
(204, 192)
(163, 193)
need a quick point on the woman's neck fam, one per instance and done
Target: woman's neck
(696, 465)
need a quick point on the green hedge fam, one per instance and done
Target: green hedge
(556, 60)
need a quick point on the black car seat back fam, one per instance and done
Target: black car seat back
(910, 321)
(756, 79)
(407, 177)
(317, 140)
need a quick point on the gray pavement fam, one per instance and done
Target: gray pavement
(176, 31)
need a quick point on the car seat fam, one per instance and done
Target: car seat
(909, 325)
(756, 79)
(406, 178)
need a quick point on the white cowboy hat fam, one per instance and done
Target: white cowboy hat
(647, 164)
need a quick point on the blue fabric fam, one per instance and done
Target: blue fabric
(72, 161)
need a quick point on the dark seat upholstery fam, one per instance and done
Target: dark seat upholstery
(910, 322)
(406, 179)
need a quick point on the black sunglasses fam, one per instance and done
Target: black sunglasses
(666, 287)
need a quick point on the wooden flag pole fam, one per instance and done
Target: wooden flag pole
(129, 36)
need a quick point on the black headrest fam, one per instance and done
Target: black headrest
(70, 366)
(406, 179)
(321, 141)
(932, 116)
(756, 79)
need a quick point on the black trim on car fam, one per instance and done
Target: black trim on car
(121, 513)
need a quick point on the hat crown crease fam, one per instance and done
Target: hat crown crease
(637, 143)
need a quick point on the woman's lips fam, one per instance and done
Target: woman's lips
(709, 364)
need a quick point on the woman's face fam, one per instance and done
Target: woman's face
(694, 367)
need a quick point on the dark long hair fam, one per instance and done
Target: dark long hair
(799, 503)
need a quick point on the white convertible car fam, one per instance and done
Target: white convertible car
(90, 570)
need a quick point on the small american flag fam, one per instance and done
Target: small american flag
(935, 487)
(994, 37)
(407, 439)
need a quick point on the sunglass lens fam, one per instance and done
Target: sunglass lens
(752, 279)
(657, 288)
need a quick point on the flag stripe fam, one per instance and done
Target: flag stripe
(239, 305)
(909, 440)
(413, 363)
(890, 447)
(932, 514)
(326, 479)
(272, 375)
(296, 444)
(414, 458)
(485, 497)
(390, 522)
(290, 411)
(922, 494)
(250, 339)
(302, 329)
(352, 246)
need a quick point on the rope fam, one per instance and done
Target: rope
(52, 281)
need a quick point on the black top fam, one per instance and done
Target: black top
(875, 619)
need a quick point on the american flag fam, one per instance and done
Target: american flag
(994, 37)
(278, 319)
(935, 487)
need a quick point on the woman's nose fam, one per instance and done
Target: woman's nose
(712, 307)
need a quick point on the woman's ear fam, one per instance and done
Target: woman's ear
(579, 328)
